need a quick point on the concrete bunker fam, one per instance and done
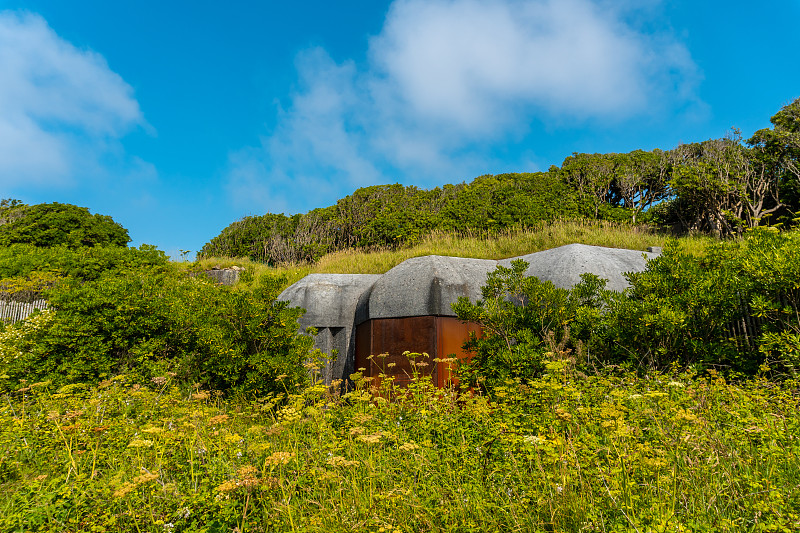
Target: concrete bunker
(371, 320)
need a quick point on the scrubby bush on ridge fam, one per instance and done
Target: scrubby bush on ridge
(735, 309)
(57, 224)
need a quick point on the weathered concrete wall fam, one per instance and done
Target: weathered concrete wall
(224, 276)
(564, 265)
(330, 302)
(424, 286)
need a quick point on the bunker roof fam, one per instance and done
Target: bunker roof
(564, 265)
(424, 286)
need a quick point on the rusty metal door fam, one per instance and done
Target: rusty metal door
(388, 338)
(380, 344)
(450, 337)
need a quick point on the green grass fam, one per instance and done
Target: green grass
(502, 245)
(612, 452)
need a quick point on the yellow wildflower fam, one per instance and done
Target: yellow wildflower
(279, 458)
(201, 395)
(219, 419)
(408, 446)
(124, 490)
(339, 461)
(146, 477)
(375, 438)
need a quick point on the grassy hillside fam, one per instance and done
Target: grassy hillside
(478, 245)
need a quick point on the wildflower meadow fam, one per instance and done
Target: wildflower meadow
(614, 451)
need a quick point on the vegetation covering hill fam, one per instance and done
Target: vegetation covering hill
(721, 187)
(611, 451)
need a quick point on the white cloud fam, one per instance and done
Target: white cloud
(447, 81)
(59, 106)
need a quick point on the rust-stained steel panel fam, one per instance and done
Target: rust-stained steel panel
(451, 335)
(394, 336)
(439, 337)
(363, 344)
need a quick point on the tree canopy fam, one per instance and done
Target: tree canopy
(57, 224)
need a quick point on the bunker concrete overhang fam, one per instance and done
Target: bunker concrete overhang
(564, 265)
(408, 308)
(330, 302)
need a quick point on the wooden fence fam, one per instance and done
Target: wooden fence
(11, 311)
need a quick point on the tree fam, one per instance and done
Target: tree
(641, 179)
(10, 209)
(723, 187)
(779, 152)
(55, 224)
(591, 175)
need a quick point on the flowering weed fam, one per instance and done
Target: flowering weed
(612, 452)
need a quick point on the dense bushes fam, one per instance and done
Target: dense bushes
(734, 309)
(524, 322)
(129, 311)
(720, 186)
(393, 215)
(20, 260)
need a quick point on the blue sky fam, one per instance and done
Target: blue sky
(177, 118)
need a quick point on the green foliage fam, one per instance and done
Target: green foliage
(58, 224)
(21, 260)
(728, 309)
(608, 452)
(391, 216)
(525, 322)
(26, 288)
(677, 311)
(779, 151)
(771, 272)
(733, 308)
(149, 321)
(255, 237)
(719, 187)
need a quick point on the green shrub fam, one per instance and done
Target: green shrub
(21, 260)
(733, 308)
(57, 224)
(391, 216)
(150, 321)
(525, 322)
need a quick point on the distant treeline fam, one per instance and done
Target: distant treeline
(720, 186)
